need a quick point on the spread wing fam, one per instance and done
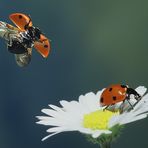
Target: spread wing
(43, 46)
(20, 20)
(6, 30)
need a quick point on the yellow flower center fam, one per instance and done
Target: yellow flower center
(98, 119)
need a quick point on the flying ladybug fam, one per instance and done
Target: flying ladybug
(116, 93)
(22, 38)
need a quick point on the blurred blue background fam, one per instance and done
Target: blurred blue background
(94, 44)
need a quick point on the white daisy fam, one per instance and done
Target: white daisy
(87, 116)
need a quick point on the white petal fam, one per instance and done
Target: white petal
(56, 129)
(141, 90)
(49, 112)
(56, 108)
(83, 100)
(42, 117)
(92, 101)
(114, 120)
(50, 135)
(50, 122)
(133, 119)
(98, 133)
(85, 130)
(142, 102)
(70, 106)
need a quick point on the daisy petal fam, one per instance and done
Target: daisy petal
(50, 136)
(141, 90)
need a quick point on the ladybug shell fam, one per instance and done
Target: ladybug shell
(20, 20)
(113, 94)
(43, 47)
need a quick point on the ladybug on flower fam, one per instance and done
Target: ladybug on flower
(118, 93)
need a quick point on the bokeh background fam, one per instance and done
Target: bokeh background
(94, 44)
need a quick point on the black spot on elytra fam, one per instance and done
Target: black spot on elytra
(110, 89)
(20, 17)
(123, 86)
(45, 46)
(102, 100)
(114, 98)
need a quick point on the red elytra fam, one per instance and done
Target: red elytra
(113, 94)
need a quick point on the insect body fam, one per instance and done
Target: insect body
(22, 38)
(117, 93)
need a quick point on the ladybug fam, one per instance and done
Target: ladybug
(22, 37)
(117, 93)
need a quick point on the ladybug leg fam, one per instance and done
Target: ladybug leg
(132, 91)
(137, 96)
(121, 108)
(106, 107)
(128, 96)
(130, 103)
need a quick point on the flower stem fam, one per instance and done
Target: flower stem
(105, 145)
(105, 140)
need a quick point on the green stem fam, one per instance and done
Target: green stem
(105, 145)
(105, 140)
